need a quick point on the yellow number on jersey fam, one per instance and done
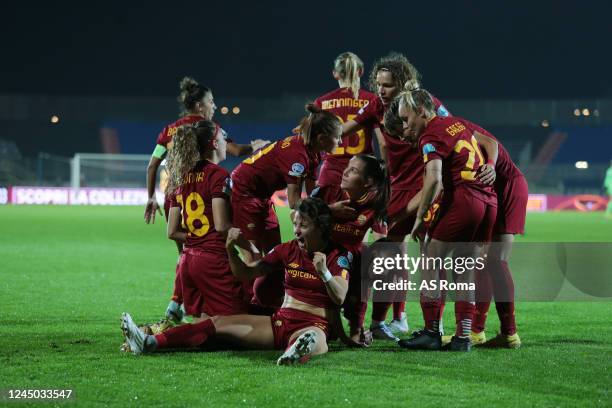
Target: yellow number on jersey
(194, 214)
(473, 150)
(352, 149)
(257, 156)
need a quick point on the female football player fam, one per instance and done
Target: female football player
(316, 280)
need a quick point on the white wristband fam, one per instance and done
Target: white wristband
(326, 276)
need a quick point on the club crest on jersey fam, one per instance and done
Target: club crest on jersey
(442, 111)
(343, 262)
(361, 219)
(428, 148)
(297, 170)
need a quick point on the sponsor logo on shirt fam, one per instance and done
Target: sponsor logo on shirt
(297, 170)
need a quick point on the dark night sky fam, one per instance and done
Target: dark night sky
(464, 49)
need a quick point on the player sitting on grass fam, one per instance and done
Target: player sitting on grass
(316, 281)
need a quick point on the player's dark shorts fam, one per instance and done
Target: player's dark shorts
(254, 216)
(208, 284)
(512, 196)
(463, 218)
(285, 322)
(397, 204)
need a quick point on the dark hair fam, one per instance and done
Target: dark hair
(377, 171)
(189, 145)
(318, 212)
(317, 122)
(394, 125)
(191, 93)
(400, 68)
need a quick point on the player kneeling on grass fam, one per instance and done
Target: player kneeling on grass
(316, 282)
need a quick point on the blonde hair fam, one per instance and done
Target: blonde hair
(348, 66)
(317, 122)
(189, 146)
(416, 99)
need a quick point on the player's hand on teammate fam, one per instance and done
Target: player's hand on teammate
(341, 210)
(487, 174)
(319, 261)
(258, 144)
(150, 209)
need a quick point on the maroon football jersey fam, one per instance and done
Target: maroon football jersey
(504, 167)
(341, 102)
(404, 164)
(348, 233)
(165, 136)
(205, 182)
(373, 114)
(302, 281)
(449, 139)
(272, 167)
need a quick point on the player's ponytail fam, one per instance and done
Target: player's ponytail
(317, 122)
(376, 170)
(191, 93)
(189, 145)
(412, 85)
(349, 68)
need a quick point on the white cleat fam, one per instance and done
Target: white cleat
(300, 351)
(399, 326)
(382, 332)
(134, 337)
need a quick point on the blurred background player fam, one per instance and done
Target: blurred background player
(200, 194)
(315, 282)
(289, 163)
(364, 188)
(467, 212)
(197, 104)
(345, 102)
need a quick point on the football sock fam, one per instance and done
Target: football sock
(186, 335)
(398, 310)
(150, 343)
(177, 294)
(379, 311)
(464, 312)
(504, 291)
(484, 293)
(431, 313)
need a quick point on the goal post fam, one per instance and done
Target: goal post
(108, 170)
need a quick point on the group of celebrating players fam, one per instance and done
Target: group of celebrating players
(441, 180)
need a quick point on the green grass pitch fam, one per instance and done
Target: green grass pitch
(68, 272)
